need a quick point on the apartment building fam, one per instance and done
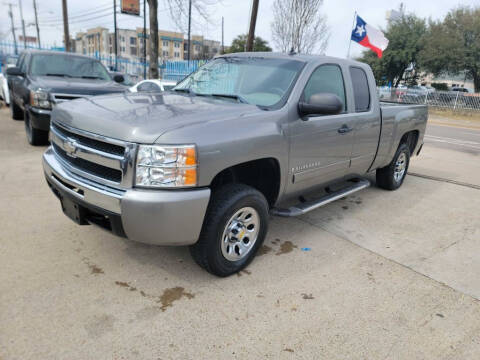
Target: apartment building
(170, 45)
(99, 42)
(93, 42)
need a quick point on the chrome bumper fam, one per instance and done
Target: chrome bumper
(158, 217)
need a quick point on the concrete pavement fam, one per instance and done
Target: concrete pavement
(379, 275)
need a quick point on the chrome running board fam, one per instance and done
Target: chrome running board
(305, 207)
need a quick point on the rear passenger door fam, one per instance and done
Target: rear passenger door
(367, 124)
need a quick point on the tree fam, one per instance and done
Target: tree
(400, 58)
(153, 53)
(299, 25)
(453, 45)
(239, 43)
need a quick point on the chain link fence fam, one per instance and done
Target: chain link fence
(453, 100)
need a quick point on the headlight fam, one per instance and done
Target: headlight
(39, 99)
(166, 166)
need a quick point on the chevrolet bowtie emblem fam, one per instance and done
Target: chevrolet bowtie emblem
(70, 147)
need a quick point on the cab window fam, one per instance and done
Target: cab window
(326, 79)
(361, 91)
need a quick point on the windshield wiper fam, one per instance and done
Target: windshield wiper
(239, 98)
(89, 77)
(186, 90)
(61, 75)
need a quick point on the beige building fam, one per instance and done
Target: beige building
(170, 45)
(93, 42)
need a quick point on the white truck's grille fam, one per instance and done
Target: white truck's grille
(104, 160)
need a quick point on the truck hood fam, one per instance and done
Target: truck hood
(76, 85)
(143, 117)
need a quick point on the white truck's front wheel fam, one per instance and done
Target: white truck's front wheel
(234, 228)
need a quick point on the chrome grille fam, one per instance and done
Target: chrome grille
(103, 160)
(59, 98)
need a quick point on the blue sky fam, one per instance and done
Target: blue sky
(236, 13)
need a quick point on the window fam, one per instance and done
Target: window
(133, 41)
(165, 42)
(123, 38)
(361, 91)
(133, 51)
(177, 44)
(176, 54)
(165, 53)
(326, 79)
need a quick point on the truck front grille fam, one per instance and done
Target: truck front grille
(95, 144)
(88, 166)
(104, 160)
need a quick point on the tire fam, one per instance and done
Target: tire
(35, 137)
(15, 111)
(391, 177)
(234, 207)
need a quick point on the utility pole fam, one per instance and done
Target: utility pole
(189, 29)
(23, 25)
(253, 21)
(36, 23)
(115, 33)
(223, 46)
(66, 33)
(144, 39)
(10, 12)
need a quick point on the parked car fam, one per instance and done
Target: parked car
(153, 85)
(245, 136)
(10, 61)
(43, 79)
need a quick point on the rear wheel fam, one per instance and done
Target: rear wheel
(15, 111)
(391, 177)
(234, 228)
(35, 137)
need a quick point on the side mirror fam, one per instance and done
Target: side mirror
(118, 78)
(321, 104)
(15, 71)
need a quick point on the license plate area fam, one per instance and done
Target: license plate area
(74, 211)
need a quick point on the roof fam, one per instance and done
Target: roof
(51, 52)
(300, 57)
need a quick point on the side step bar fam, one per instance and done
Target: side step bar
(305, 207)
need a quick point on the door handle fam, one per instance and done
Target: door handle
(344, 129)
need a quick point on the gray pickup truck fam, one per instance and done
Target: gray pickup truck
(244, 137)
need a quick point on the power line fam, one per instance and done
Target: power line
(79, 13)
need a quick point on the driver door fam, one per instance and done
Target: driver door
(321, 145)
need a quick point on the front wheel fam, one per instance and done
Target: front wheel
(391, 177)
(234, 228)
(35, 136)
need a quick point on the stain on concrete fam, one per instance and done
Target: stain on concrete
(288, 350)
(286, 247)
(440, 315)
(171, 295)
(94, 269)
(276, 241)
(264, 250)
(345, 207)
(244, 271)
(370, 277)
(126, 285)
(307, 296)
(100, 325)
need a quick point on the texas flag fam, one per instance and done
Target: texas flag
(370, 37)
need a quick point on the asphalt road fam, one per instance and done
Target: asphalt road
(378, 275)
(448, 137)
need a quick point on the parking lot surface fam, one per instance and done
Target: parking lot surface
(378, 275)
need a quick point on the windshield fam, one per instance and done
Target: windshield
(68, 66)
(259, 81)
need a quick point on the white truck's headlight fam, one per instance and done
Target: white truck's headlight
(166, 166)
(39, 99)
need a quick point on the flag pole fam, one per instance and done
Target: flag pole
(350, 34)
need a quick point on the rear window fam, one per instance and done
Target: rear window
(361, 91)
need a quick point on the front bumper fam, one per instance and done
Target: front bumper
(39, 118)
(158, 217)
